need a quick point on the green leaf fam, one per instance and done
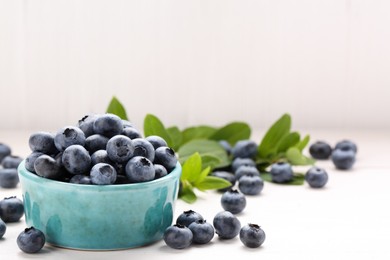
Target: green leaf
(116, 107)
(232, 133)
(204, 147)
(203, 175)
(192, 168)
(298, 179)
(212, 182)
(288, 141)
(295, 157)
(268, 145)
(210, 161)
(154, 126)
(187, 194)
(176, 137)
(302, 144)
(197, 132)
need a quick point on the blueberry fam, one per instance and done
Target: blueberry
(76, 159)
(160, 171)
(11, 209)
(86, 124)
(103, 174)
(245, 149)
(156, 141)
(140, 169)
(233, 201)
(202, 231)
(127, 123)
(11, 162)
(47, 167)
(121, 179)
(166, 157)
(250, 184)
(3, 228)
(320, 150)
(227, 176)
(281, 172)
(80, 179)
(343, 158)
(227, 226)
(178, 236)
(100, 156)
(226, 146)
(246, 170)
(31, 240)
(95, 142)
(237, 162)
(42, 142)
(252, 236)
(5, 150)
(346, 145)
(67, 136)
(131, 133)
(144, 148)
(30, 160)
(316, 177)
(108, 125)
(120, 148)
(9, 178)
(187, 217)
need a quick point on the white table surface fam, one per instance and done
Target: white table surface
(349, 219)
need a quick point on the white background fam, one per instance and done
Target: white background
(196, 62)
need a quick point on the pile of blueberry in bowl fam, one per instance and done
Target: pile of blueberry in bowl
(99, 185)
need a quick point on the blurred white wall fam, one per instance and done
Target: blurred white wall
(326, 62)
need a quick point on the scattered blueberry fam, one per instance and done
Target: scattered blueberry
(108, 125)
(47, 167)
(9, 178)
(11, 162)
(160, 171)
(346, 145)
(86, 124)
(202, 231)
(320, 150)
(166, 157)
(5, 150)
(156, 141)
(252, 236)
(343, 158)
(140, 169)
(226, 225)
(76, 159)
(237, 162)
(67, 136)
(103, 174)
(95, 142)
(245, 149)
(250, 184)
(178, 236)
(225, 144)
(233, 201)
(100, 156)
(11, 209)
(229, 176)
(131, 133)
(30, 160)
(80, 179)
(316, 177)
(3, 228)
(120, 148)
(281, 172)
(246, 170)
(42, 142)
(144, 148)
(187, 217)
(31, 240)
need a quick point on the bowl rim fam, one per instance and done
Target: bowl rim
(174, 174)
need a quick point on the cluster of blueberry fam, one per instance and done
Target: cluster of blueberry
(8, 170)
(191, 227)
(102, 150)
(343, 155)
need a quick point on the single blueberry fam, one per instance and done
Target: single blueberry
(31, 240)
(67, 136)
(86, 124)
(140, 169)
(187, 217)
(156, 141)
(226, 225)
(144, 148)
(5, 150)
(316, 177)
(202, 231)
(76, 159)
(343, 158)
(131, 133)
(9, 178)
(95, 142)
(11, 209)
(178, 236)
(237, 162)
(80, 179)
(226, 146)
(250, 184)
(103, 174)
(245, 149)
(11, 161)
(108, 125)
(166, 157)
(320, 150)
(229, 176)
(42, 142)
(100, 156)
(281, 172)
(160, 171)
(346, 145)
(30, 160)
(252, 236)
(3, 228)
(127, 123)
(233, 201)
(120, 148)
(246, 170)
(47, 167)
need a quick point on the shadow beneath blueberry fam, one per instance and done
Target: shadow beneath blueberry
(249, 249)
(166, 249)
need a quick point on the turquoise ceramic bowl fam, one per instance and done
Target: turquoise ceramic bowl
(93, 217)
